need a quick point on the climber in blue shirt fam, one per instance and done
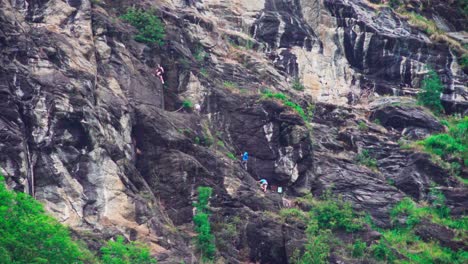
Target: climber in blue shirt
(263, 185)
(245, 158)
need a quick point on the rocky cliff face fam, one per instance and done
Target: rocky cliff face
(87, 128)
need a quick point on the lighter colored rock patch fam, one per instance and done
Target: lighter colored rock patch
(286, 165)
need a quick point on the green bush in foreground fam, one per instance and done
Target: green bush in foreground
(119, 252)
(29, 235)
(149, 26)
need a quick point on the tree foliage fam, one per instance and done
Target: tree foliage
(29, 235)
(149, 26)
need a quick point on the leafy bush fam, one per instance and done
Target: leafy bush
(149, 26)
(382, 251)
(29, 235)
(335, 213)
(409, 211)
(431, 88)
(359, 248)
(297, 85)
(365, 159)
(453, 144)
(204, 240)
(119, 252)
(317, 249)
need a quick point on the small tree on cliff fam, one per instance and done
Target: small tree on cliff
(204, 240)
(431, 88)
(149, 26)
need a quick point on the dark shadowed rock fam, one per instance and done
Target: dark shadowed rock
(446, 237)
(413, 122)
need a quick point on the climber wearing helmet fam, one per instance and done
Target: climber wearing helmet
(245, 158)
(263, 185)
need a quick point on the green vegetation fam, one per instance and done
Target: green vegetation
(432, 87)
(402, 239)
(326, 216)
(226, 233)
(220, 143)
(200, 54)
(464, 61)
(149, 26)
(422, 23)
(297, 85)
(231, 156)
(363, 126)
(359, 248)
(287, 102)
(317, 249)
(29, 235)
(187, 104)
(204, 72)
(437, 213)
(382, 251)
(119, 252)
(205, 240)
(334, 213)
(451, 145)
(293, 215)
(364, 158)
(230, 85)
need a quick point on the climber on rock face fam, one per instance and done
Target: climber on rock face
(159, 73)
(263, 185)
(245, 158)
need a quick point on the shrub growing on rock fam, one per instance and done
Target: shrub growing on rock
(204, 240)
(149, 26)
(453, 144)
(431, 88)
(119, 252)
(297, 85)
(336, 214)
